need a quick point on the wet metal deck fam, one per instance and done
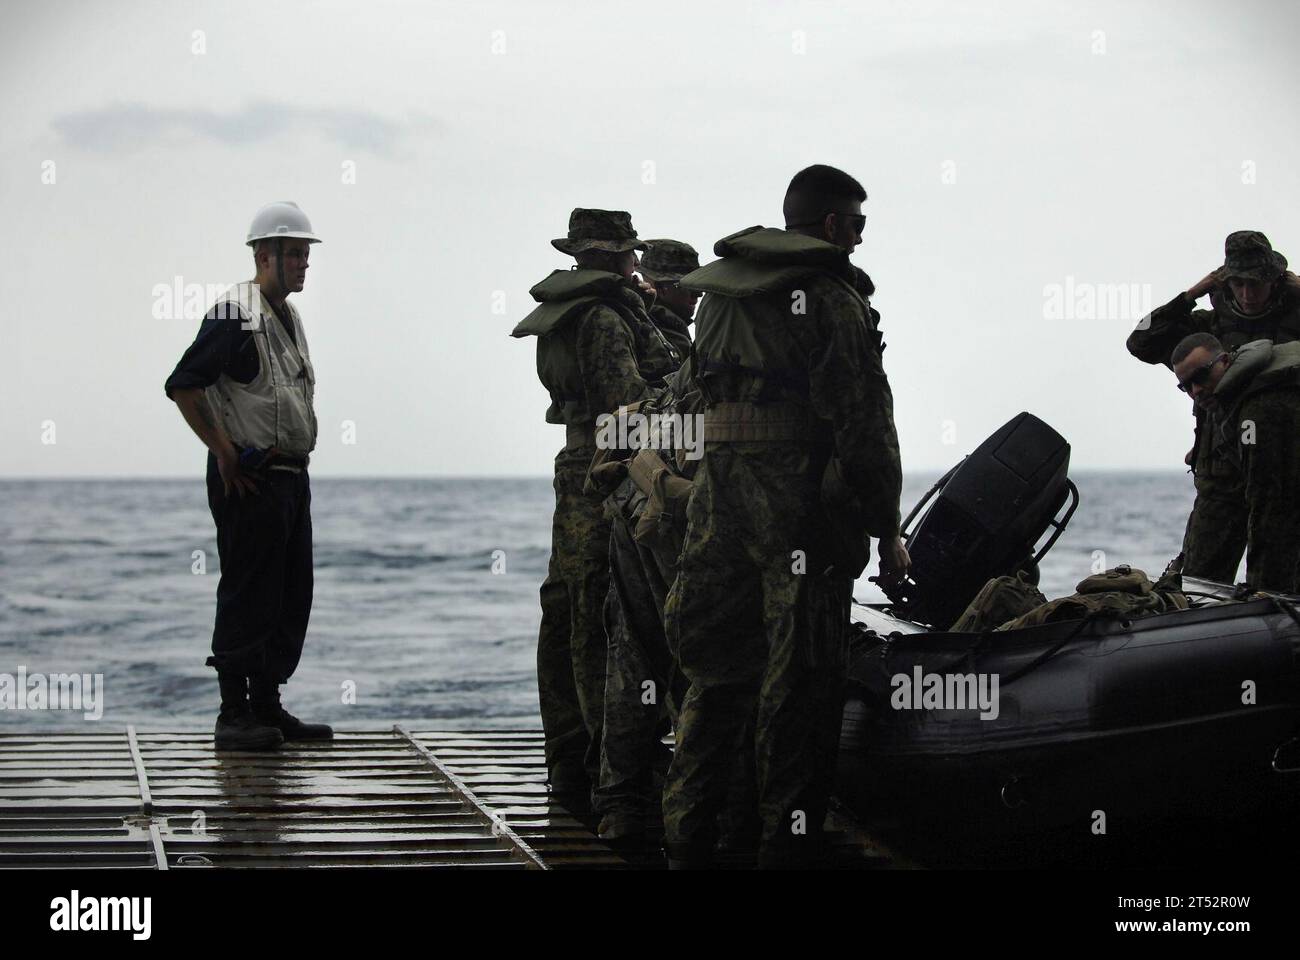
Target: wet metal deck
(388, 797)
(391, 797)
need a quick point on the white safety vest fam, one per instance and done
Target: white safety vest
(275, 408)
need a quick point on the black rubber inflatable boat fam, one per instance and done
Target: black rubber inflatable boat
(1095, 728)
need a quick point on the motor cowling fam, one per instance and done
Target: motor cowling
(984, 518)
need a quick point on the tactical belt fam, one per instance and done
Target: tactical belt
(741, 421)
(579, 435)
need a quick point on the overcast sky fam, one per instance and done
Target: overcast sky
(1008, 150)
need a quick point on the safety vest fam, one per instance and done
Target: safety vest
(676, 332)
(275, 408)
(564, 299)
(748, 363)
(1257, 366)
(1280, 323)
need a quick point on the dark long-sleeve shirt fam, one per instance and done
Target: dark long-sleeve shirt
(222, 345)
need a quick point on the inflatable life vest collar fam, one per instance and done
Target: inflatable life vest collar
(782, 247)
(565, 295)
(569, 284)
(1247, 360)
(760, 260)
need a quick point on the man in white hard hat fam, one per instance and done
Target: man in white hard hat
(245, 388)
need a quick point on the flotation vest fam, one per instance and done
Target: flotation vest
(675, 330)
(564, 299)
(747, 361)
(752, 369)
(275, 408)
(1257, 366)
(1279, 323)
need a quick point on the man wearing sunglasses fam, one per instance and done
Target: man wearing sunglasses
(1250, 404)
(1252, 297)
(788, 363)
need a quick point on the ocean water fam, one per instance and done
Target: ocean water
(99, 577)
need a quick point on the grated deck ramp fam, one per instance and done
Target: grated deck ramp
(366, 799)
(390, 797)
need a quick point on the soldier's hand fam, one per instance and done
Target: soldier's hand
(1204, 285)
(894, 559)
(233, 476)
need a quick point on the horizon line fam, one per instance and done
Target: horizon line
(162, 478)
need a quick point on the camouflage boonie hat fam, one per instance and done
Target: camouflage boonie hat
(1249, 255)
(589, 229)
(668, 260)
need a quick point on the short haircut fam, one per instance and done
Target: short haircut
(1192, 342)
(818, 190)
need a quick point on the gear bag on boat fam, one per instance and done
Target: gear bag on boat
(1000, 600)
(1121, 593)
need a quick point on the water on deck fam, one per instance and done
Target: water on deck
(390, 797)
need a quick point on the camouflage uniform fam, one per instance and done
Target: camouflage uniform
(1256, 425)
(675, 330)
(789, 367)
(592, 332)
(667, 261)
(1216, 529)
(642, 684)
(636, 714)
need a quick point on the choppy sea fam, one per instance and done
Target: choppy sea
(118, 577)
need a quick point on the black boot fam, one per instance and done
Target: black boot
(236, 727)
(568, 785)
(689, 855)
(265, 696)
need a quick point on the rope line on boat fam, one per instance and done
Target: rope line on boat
(1053, 650)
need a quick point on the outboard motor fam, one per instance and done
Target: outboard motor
(988, 513)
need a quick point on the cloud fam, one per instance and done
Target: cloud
(126, 125)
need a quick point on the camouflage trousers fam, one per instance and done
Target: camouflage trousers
(761, 635)
(571, 646)
(1216, 530)
(642, 683)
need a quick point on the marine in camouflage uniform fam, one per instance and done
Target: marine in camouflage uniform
(789, 368)
(1216, 530)
(596, 350)
(664, 264)
(1252, 397)
(642, 684)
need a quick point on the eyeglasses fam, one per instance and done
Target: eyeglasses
(1199, 375)
(857, 220)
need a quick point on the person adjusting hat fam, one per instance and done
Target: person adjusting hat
(1252, 297)
(246, 387)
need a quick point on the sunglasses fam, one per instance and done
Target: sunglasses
(858, 221)
(1198, 376)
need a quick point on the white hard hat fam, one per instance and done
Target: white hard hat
(281, 219)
